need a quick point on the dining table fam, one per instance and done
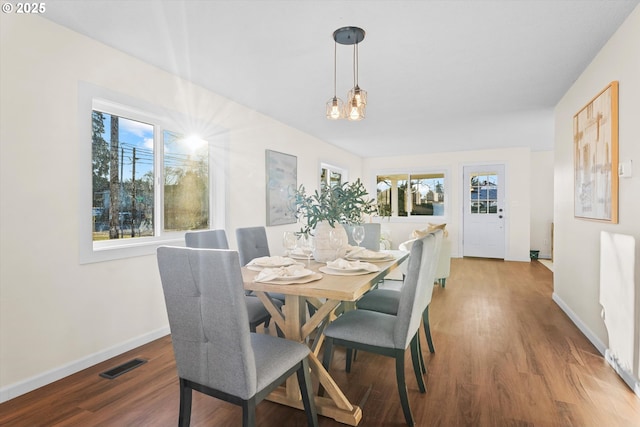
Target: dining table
(328, 293)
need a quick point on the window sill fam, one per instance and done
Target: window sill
(117, 249)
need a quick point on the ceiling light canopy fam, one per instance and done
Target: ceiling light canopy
(354, 109)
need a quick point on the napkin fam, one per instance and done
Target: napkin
(268, 274)
(367, 254)
(343, 264)
(271, 261)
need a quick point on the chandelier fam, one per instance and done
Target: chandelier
(354, 109)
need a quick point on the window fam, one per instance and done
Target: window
(123, 179)
(484, 193)
(186, 182)
(411, 194)
(150, 180)
(123, 190)
(331, 175)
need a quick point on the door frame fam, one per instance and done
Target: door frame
(463, 188)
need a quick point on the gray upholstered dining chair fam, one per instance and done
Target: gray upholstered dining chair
(207, 239)
(215, 352)
(388, 300)
(253, 243)
(217, 239)
(372, 232)
(390, 335)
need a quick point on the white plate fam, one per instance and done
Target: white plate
(298, 274)
(346, 270)
(331, 271)
(299, 256)
(386, 257)
(271, 262)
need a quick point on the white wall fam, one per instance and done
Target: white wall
(518, 209)
(541, 201)
(577, 241)
(57, 316)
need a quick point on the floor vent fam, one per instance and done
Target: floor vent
(121, 369)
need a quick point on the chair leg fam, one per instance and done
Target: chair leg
(326, 360)
(249, 412)
(304, 381)
(402, 388)
(349, 357)
(427, 329)
(184, 418)
(423, 366)
(416, 356)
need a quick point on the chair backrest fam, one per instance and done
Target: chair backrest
(208, 318)
(209, 239)
(416, 290)
(372, 232)
(252, 243)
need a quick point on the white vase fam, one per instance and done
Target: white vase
(324, 252)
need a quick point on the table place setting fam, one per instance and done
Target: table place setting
(257, 264)
(343, 267)
(363, 254)
(297, 253)
(287, 275)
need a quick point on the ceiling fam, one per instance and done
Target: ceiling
(430, 67)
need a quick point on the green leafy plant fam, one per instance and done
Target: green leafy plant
(345, 204)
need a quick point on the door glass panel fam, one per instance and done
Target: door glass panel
(484, 193)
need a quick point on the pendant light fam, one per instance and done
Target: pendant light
(335, 107)
(354, 109)
(357, 98)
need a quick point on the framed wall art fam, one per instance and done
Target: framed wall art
(595, 154)
(282, 181)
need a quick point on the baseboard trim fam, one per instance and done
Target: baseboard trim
(627, 377)
(14, 390)
(599, 345)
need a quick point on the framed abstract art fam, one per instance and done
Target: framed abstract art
(595, 154)
(282, 180)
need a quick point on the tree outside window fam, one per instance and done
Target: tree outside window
(124, 194)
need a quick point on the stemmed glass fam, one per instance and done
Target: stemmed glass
(289, 241)
(358, 234)
(308, 245)
(335, 241)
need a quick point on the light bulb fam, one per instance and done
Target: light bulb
(354, 114)
(335, 111)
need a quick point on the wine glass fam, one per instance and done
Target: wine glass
(289, 241)
(335, 241)
(358, 234)
(308, 245)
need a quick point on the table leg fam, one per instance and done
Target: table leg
(291, 321)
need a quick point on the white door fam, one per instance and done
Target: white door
(484, 211)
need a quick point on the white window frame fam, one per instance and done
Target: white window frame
(417, 171)
(344, 173)
(91, 97)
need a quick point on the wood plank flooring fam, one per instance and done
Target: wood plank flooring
(506, 355)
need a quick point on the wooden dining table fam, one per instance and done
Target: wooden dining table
(328, 295)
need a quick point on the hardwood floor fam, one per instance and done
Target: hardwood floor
(506, 355)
